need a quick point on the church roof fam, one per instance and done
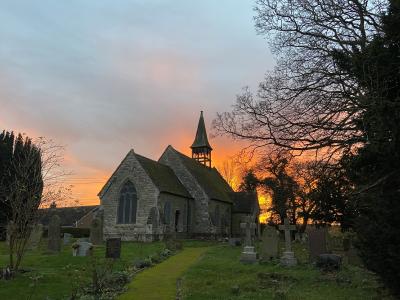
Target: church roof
(162, 176)
(209, 179)
(201, 139)
(244, 202)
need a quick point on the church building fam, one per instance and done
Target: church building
(146, 199)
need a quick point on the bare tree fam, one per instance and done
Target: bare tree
(36, 183)
(308, 102)
(229, 170)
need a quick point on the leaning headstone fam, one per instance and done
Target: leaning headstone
(54, 243)
(82, 249)
(317, 243)
(287, 258)
(113, 248)
(269, 243)
(36, 236)
(67, 238)
(248, 255)
(96, 231)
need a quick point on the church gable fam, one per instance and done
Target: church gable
(208, 179)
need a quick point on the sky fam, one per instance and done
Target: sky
(104, 77)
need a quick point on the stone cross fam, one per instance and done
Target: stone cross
(248, 225)
(287, 228)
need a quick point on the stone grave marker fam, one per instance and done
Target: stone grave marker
(96, 231)
(36, 236)
(248, 255)
(67, 238)
(113, 248)
(82, 249)
(269, 243)
(288, 259)
(54, 232)
(317, 241)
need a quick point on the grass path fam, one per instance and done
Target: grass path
(159, 282)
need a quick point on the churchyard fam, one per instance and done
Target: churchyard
(193, 270)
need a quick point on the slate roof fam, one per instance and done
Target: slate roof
(162, 176)
(68, 215)
(244, 202)
(201, 139)
(209, 179)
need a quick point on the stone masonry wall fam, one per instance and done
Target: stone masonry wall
(147, 192)
(201, 220)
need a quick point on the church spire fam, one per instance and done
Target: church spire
(201, 149)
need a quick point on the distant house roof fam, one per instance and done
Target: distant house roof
(68, 215)
(163, 177)
(209, 179)
(244, 202)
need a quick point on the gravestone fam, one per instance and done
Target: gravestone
(113, 248)
(96, 231)
(82, 249)
(317, 243)
(36, 236)
(54, 234)
(248, 255)
(287, 258)
(269, 243)
(67, 238)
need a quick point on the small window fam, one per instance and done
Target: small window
(167, 212)
(127, 204)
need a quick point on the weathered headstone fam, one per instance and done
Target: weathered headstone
(67, 238)
(287, 258)
(96, 231)
(113, 248)
(317, 242)
(82, 249)
(269, 243)
(54, 234)
(248, 255)
(35, 237)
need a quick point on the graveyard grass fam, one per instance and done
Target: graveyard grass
(220, 275)
(53, 276)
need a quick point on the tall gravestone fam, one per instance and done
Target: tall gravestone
(288, 259)
(317, 240)
(36, 236)
(96, 231)
(54, 234)
(269, 243)
(248, 255)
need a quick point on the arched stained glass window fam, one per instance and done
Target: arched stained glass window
(127, 204)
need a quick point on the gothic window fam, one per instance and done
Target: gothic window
(127, 204)
(167, 212)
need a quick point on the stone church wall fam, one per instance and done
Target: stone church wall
(147, 192)
(220, 215)
(201, 224)
(176, 203)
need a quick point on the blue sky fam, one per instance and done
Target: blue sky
(102, 77)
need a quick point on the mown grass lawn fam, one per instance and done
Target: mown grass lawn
(58, 274)
(220, 275)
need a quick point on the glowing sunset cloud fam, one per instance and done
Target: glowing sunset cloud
(104, 77)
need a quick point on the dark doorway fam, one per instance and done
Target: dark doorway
(177, 213)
